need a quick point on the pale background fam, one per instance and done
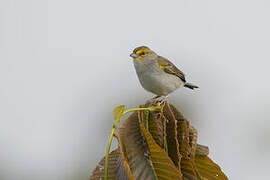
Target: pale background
(64, 66)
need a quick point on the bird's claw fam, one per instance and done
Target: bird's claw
(160, 100)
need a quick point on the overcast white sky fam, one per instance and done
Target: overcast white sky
(64, 66)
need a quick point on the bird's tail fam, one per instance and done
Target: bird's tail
(190, 86)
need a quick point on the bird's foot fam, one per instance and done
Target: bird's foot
(160, 100)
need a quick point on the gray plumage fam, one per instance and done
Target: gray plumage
(157, 74)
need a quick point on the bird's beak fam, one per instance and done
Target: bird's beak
(134, 55)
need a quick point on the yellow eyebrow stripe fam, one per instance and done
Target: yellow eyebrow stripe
(142, 50)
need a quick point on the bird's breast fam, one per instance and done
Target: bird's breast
(155, 80)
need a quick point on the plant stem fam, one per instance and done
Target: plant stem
(146, 120)
(198, 174)
(107, 153)
(166, 145)
(154, 108)
(149, 109)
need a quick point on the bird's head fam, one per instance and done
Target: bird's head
(143, 53)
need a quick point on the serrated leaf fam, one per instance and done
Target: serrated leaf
(187, 151)
(202, 150)
(193, 136)
(156, 126)
(191, 162)
(171, 136)
(134, 149)
(163, 166)
(142, 154)
(116, 168)
(208, 169)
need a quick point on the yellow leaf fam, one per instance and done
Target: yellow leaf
(208, 169)
(117, 113)
(163, 166)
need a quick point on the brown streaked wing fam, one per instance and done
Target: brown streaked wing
(169, 68)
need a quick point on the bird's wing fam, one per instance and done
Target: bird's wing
(169, 68)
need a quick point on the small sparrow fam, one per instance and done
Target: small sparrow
(157, 74)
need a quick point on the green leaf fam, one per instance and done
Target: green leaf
(117, 113)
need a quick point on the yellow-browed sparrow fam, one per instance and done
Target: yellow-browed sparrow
(157, 74)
